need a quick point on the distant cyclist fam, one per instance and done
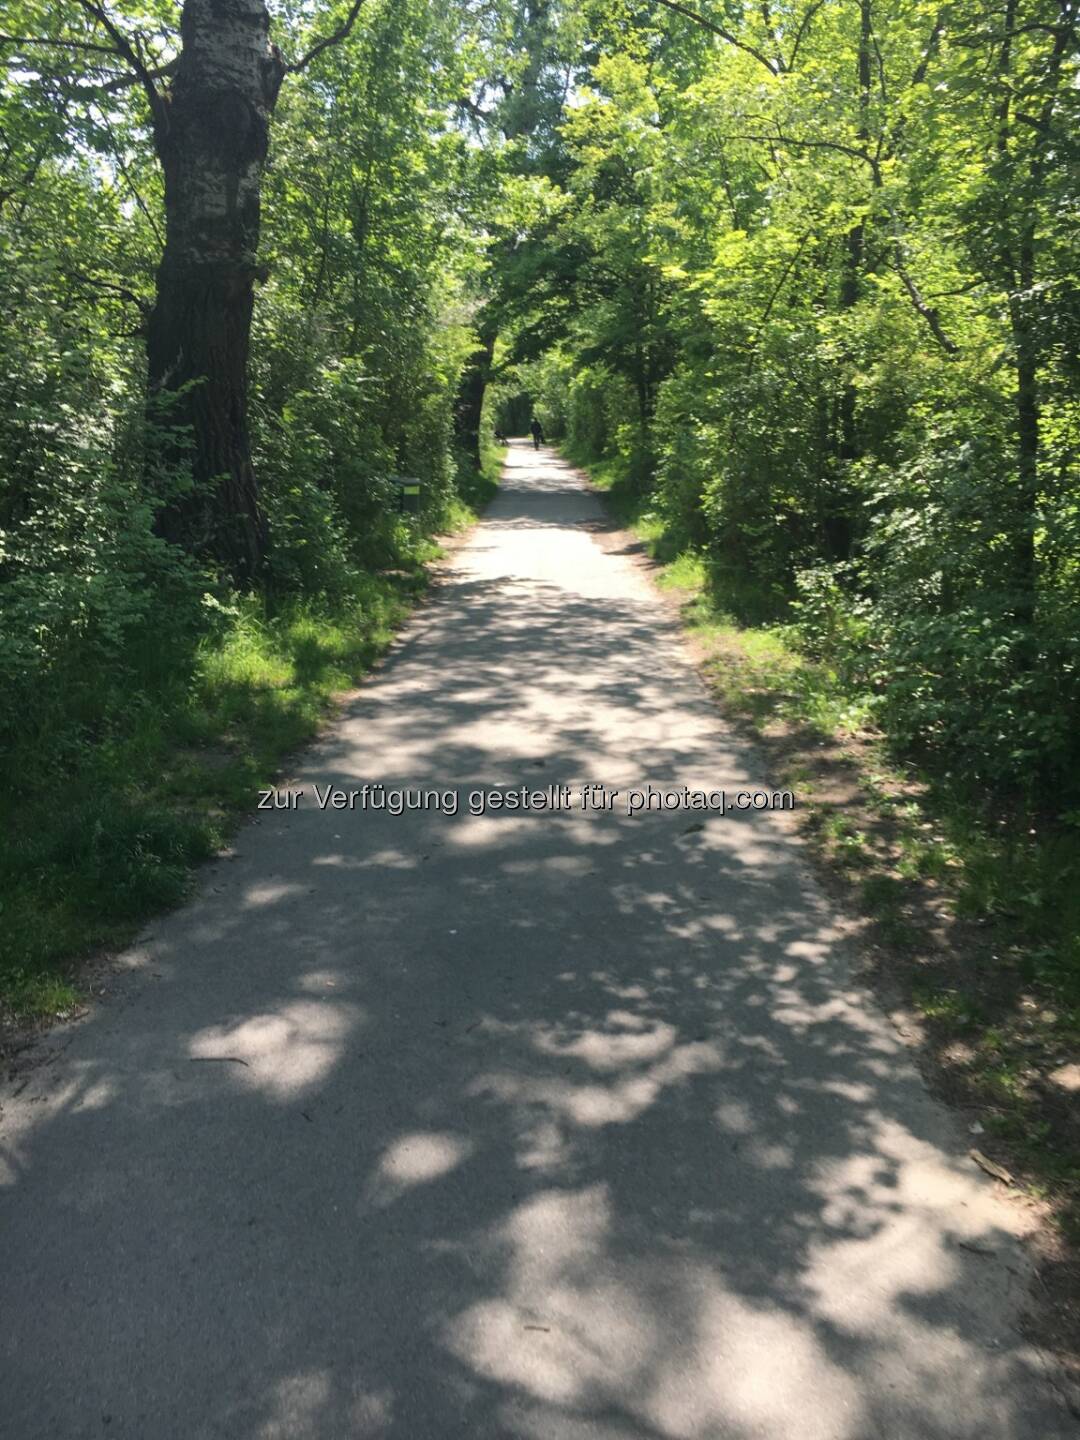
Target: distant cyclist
(537, 433)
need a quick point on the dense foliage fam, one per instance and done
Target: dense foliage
(805, 274)
(810, 273)
(355, 354)
(142, 688)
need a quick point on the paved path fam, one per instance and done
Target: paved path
(559, 1127)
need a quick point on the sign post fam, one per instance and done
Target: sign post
(409, 496)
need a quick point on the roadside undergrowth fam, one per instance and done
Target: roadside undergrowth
(110, 814)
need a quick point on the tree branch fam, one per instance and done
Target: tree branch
(143, 305)
(49, 40)
(684, 10)
(125, 49)
(960, 290)
(770, 30)
(126, 174)
(928, 312)
(919, 73)
(122, 82)
(341, 33)
(479, 114)
(804, 25)
(759, 328)
(781, 139)
(105, 87)
(880, 68)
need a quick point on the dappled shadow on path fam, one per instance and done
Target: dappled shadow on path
(553, 1126)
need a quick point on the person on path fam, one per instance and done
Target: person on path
(537, 433)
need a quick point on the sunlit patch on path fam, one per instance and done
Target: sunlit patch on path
(555, 1126)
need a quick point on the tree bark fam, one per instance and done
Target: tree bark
(212, 135)
(470, 402)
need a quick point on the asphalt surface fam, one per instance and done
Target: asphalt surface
(553, 1125)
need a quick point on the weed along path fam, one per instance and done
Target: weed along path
(542, 1121)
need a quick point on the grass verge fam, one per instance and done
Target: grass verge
(86, 860)
(103, 827)
(970, 911)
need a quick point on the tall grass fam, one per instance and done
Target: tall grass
(111, 808)
(124, 777)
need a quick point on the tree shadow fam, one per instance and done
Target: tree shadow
(555, 1125)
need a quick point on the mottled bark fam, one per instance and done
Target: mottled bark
(212, 135)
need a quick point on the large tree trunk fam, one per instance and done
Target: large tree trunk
(212, 135)
(473, 384)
